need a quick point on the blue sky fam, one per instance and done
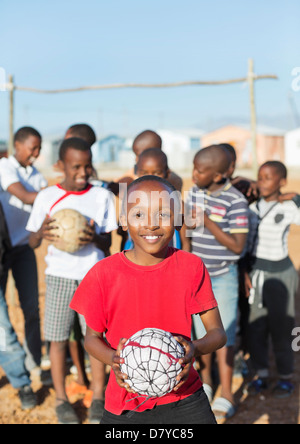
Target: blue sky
(63, 43)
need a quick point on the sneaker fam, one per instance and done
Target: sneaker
(27, 398)
(66, 415)
(283, 389)
(96, 411)
(257, 386)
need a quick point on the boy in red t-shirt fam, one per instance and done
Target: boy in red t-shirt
(154, 286)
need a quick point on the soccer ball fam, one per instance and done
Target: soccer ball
(151, 362)
(70, 224)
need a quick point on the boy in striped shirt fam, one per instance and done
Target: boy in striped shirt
(219, 240)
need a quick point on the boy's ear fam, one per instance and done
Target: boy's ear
(168, 172)
(220, 178)
(283, 183)
(17, 146)
(59, 166)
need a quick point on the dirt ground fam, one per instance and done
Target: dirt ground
(252, 410)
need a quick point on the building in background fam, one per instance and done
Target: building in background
(49, 152)
(292, 148)
(270, 143)
(108, 149)
(181, 146)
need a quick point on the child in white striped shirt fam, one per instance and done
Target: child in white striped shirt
(273, 281)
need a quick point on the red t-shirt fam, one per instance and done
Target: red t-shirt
(120, 298)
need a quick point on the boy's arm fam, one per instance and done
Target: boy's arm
(102, 241)
(96, 346)
(35, 240)
(19, 191)
(289, 196)
(185, 241)
(235, 242)
(10, 182)
(214, 340)
(45, 232)
(215, 337)
(252, 186)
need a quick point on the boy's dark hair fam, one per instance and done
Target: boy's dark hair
(230, 149)
(152, 179)
(217, 155)
(156, 153)
(23, 133)
(73, 143)
(280, 168)
(83, 131)
(176, 195)
(148, 137)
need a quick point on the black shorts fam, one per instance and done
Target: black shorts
(192, 410)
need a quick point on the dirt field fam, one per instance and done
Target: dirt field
(254, 410)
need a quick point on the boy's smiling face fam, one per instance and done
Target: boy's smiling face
(77, 167)
(150, 217)
(28, 151)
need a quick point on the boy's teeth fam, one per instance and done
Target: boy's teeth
(151, 237)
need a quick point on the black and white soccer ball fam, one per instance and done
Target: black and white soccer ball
(151, 362)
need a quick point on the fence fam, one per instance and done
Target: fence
(251, 78)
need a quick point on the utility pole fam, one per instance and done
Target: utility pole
(11, 88)
(251, 81)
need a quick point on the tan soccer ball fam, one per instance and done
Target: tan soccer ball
(70, 224)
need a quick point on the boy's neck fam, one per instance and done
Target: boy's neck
(273, 197)
(69, 187)
(215, 187)
(140, 257)
(19, 161)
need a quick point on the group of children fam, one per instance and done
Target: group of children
(169, 275)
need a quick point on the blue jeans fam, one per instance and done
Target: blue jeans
(15, 360)
(12, 355)
(226, 291)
